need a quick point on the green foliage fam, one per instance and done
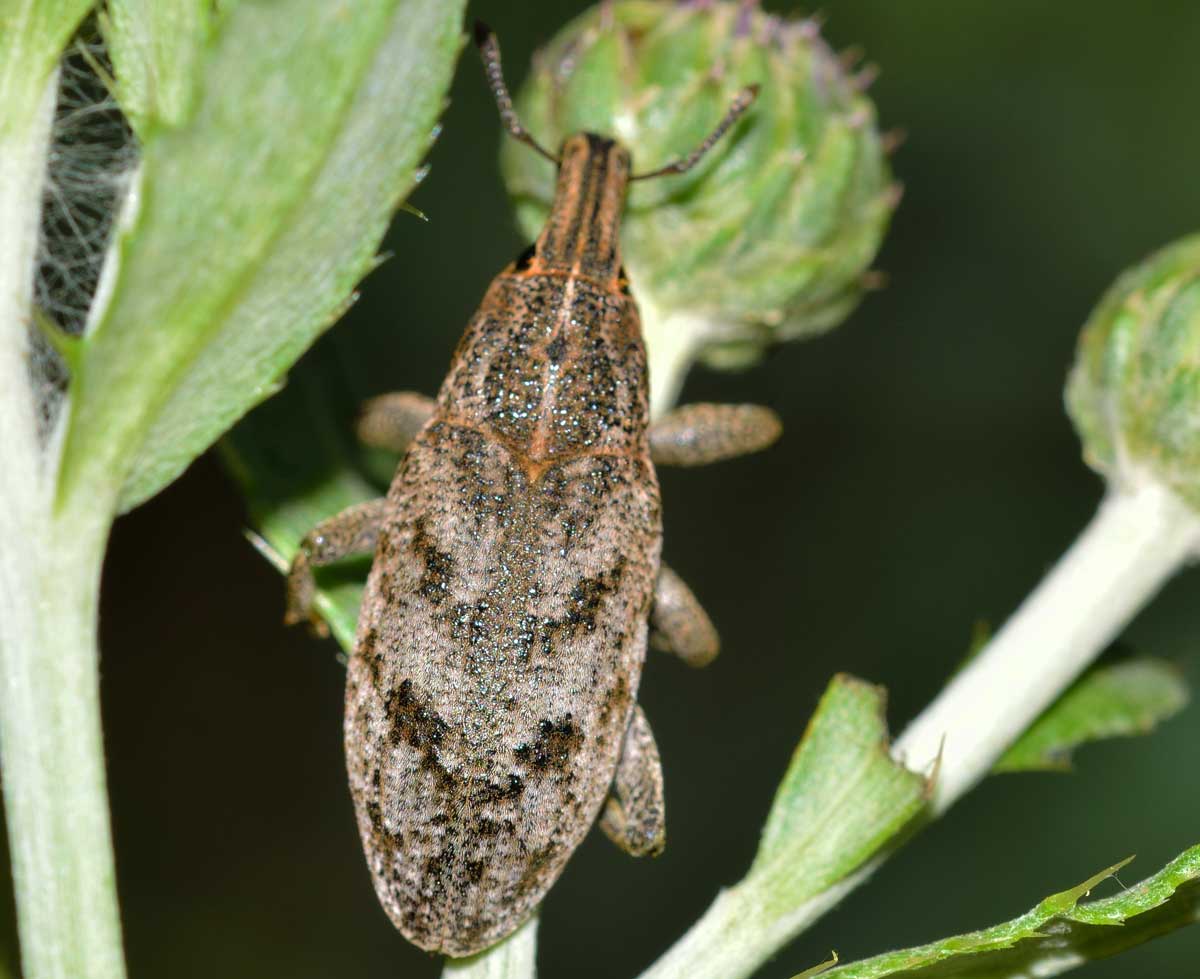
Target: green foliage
(841, 798)
(255, 219)
(1057, 935)
(153, 46)
(33, 34)
(1134, 391)
(1106, 702)
(296, 467)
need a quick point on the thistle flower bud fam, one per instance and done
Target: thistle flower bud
(1134, 392)
(770, 236)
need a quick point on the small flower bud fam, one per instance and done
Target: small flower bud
(1134, 392)
(770, 235)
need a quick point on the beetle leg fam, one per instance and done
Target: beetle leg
(698, 434)
(678, 622)
(634, 816)
(353, 531)
(391, 421)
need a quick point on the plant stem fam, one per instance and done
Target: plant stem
(513, 958)
(54, 781)
(1136, 541)
(51, 747)
(741, 930)
(671, 344)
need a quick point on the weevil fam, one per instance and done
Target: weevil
(491, 709)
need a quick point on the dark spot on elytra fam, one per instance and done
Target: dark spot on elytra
(495, 792)
(414, 722)
(439, 565)
(413, 917)
(555, 744)
(587, 596)
(387, 584)
(555, 349)
(615, 698)
(473, 871)
(370, 656)
(548, 636)
(584, 603)
(374, 812)
(439, 867)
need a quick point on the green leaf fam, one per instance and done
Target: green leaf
(1106, 702)
(154, 46)
(1057, 935)
(65, 344)
(33, 34)
(842, 800)
(819, 969)
(255, 219)
(295, 467)
(842, 797)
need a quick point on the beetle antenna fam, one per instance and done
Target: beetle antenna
(741, 102)
(489, 50)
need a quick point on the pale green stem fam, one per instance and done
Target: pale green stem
(24, 143)
(672, 341)
(741, 929)
(513, 958)
(53, 756)
(51, 747)
(1138, 539)
(1133, 545)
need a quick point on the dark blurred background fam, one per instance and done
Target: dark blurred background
(927, 478)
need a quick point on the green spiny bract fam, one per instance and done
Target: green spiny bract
(1134, 392)
(771, 235)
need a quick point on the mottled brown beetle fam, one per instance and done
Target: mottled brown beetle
(491, 698)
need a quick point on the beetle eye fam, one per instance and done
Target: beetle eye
(525, 259)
